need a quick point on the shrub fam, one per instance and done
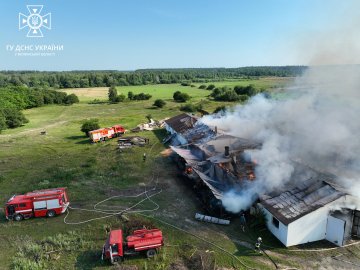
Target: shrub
(112, 94)
(225, 94)
(185, 84)
(71, 99)
(14, 118)
(203, 86)
(90, 125)
(159, 103)
(210, 87)
(130, 95)
(189, 107)
(181, 97)
(120, 98)
(245, 90)
(142, 96)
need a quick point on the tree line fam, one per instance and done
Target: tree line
(14, 99)
(82, 79)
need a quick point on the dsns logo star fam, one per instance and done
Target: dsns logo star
(35, 21)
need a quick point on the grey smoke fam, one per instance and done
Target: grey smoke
(318, 123)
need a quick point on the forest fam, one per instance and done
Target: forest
(82, 79)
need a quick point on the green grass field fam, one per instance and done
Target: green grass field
(93, 172)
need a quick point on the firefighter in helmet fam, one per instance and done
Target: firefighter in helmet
(258, 244)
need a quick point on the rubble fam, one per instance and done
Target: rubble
(153, 124)
(130, 141)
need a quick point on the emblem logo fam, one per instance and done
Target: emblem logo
(35, 21)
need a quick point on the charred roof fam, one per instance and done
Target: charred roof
(306, 197)
(182, 122)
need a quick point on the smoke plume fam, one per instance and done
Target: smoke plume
(315, 121)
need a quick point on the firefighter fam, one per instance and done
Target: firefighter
(258, 244)
(144, 157)
(242, 221)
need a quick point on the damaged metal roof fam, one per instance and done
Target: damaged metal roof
(306, 197)
(185, 153)
(182, 122)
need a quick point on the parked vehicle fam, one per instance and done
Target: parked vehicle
(141, 241)
(103, 134)
(38, 203)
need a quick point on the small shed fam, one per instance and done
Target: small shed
(312, 211)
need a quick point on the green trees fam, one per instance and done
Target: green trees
(112, 94)
(180, 97)
(78, 79)
(13, 117)
(15, 99)
(203, 86)
(71, 99)
(130, 95)
(141, 96)
(159, 103)
(89, 125)
(245, 90)
(239, 93)
(210, 87)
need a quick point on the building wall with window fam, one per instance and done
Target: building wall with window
(308, 228)
(275, 226)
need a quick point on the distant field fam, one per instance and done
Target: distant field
(165, 91)
(93, 172)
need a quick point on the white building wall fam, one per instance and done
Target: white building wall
(281, 232)
(309, 228)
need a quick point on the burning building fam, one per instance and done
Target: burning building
(215, 164)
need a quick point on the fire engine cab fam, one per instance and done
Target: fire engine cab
(146, 241)
(38, 203)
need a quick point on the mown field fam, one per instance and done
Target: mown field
(94, 172)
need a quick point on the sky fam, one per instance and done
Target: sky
(135, 34)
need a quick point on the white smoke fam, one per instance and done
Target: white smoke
(318, 123)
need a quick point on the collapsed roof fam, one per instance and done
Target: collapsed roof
(182, 123)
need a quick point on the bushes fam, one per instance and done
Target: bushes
(90, 125)
(159, 103)
(15, 99)
(224, 94)
(13, 118)
(141, 96)
(181, 97)
(189, 107)
(71, 99)
(210, 87)
(185, 84)
(239, 93)
(245, 90)
(203, 86)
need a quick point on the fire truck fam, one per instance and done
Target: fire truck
(103, 134)
(38, 203)
(141, 241)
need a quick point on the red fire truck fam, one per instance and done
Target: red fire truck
(146, 241)
(38, 203)
(103, 134)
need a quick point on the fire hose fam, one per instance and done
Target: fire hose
(111, 212)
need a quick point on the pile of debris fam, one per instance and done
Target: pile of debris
(153, 124)
(130, 141)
